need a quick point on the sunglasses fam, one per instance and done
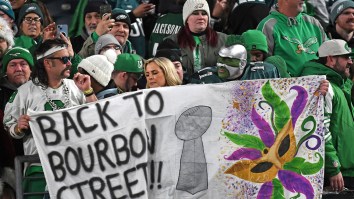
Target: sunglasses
(30, 19)
(65, 60)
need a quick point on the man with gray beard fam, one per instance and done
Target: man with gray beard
(91, 19)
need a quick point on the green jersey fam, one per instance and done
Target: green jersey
(167, 24)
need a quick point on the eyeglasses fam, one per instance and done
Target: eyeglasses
(65, 60)
(135, 76)
(30, 19)
(110, 47)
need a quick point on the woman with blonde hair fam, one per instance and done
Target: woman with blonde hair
(160, 72)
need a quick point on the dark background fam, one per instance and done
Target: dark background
(61, 10)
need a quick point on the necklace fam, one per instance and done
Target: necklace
(50, 101)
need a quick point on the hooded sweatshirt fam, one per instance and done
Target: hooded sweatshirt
(296, 39)
(339, 122)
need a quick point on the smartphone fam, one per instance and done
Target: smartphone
(105, 9)
(62, 28)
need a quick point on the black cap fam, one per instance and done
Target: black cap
(93, 6)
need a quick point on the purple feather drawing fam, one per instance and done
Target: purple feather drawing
(245, 153)
(296, 183)
(265, 131)
(299, 103)
(265, 191)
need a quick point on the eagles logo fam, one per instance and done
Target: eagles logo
(15, 54)
(198, 6)
(120, 17)
(29, 9)
(340, 8)
(140, 64)
(4, 7)
(302, 47)
(347, 47)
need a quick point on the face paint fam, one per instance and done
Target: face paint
(223, 72)
(229, 68)
(231, 61)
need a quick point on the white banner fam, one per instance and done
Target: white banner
(241, 139)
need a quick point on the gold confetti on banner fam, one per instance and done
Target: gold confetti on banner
(236, 104)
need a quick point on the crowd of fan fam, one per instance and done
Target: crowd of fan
(169, 43)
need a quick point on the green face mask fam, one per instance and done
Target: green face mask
(229, 68)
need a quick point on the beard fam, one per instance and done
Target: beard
(339, 69)
(62, 74)
(90, 29)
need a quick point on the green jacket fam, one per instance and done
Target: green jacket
(28, 42)
(339, 121)
(296, 39)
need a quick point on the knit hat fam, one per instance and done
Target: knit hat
(334, 47)
(338, 7)
(99, 67)
(167, 44)
(130, 63)
(93, 6)
(192, 5)
(6, 7)
(29, 8)
(255, 40)
(6, 32)
(172, 55)
(169, 49)
(233, 40)
(120, 15)
(105, 40)
(16, 53)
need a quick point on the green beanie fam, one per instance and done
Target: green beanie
(130, 63)
(233, 40)
(255, 40)
(16, 53)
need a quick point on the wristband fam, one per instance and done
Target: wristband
(88, 92)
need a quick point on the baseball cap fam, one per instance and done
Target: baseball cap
(334, 47)
(131, 63)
